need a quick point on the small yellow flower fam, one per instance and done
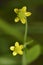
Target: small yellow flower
(21, 14)
(17, 49)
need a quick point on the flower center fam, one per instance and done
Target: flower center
(17, 49)
(21, 15)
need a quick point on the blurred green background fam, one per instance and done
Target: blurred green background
(10, 32)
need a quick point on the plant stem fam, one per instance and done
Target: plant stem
(25, 35)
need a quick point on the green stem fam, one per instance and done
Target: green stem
(25, 37)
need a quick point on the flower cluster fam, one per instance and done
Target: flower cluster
(21, 15)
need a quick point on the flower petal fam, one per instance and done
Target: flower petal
(21, 46)
(24, 9)
(12, 48)
(16, 10)
(16, 19)
(23, 20)
(17, 44)
(20, 52)
(28, 13)
(14, 53)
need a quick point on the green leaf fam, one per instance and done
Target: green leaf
(10, 60)
(42, 49)
(11, 30)
(33, 53)
(7, 61)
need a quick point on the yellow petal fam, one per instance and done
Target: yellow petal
(24, 9)
(21, 46)
(17, 44)
(14, 53)
(23, 20)
(28, 13)
(12, 48)
(16, 19)
(20, 52)
(16, 10)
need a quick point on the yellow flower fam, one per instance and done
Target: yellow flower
(17, 49)
(21, 14)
